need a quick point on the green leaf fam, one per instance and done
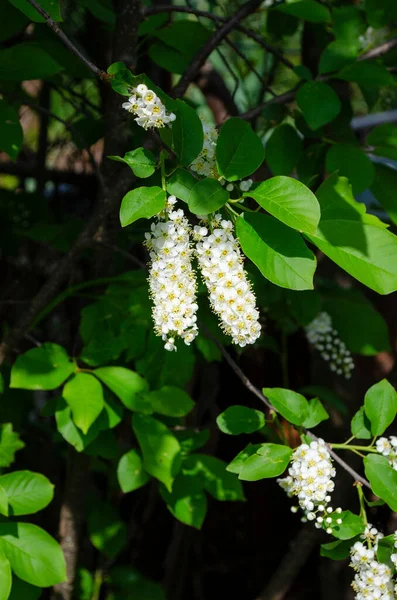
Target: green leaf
(336, 55)
(180, 183)
(283, 149)
(84, 395)
(141, 203)
(289, 201)
(127, 385)
(44, 368)
(317, 414)
(26, 61)
(304, 305)
(383, 135)
(380, 404)
(218, 482)
(9, 444)
(11, 133)
(34, 555)
(27, 492)
(141, 161)
(190, 440)
(4, 509)
(337, 550)
(383, 188)
(131, 585)
(108, 533)
(293, 406)
(360, 425)
(21, 589)
(50, 6)
(351, 526)
(239, 461)
(280, 253)
(383, 478)
(186, 502)
(385, 548)
(326, 394)
(170, 401)
(68, 430)
(380, 13)
(349, 309)
(187, 132)
(270, 460)
(130, 473)
(309, 10)
(207, 196)
(239, 151)
(355, 242)
(319, 103)
(367, 73)
(240, 419)
(5, 576)
(84, 584)
(176, 45)
(122, 79)
(160, 448)
(353, 163)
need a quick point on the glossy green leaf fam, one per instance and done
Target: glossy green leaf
(380, 404)
(316, 414)
(309, 10)
(319, 103)
(84, 395)
(353, 240)
(336, 55)
(160, 448)
(187, 502)
(34, 555)
(11, 134)
(383, 188)
(180, 183)
(383, 478)
(283, 149)
(187, 132)
(337, 550)
(127, 385)
(351, 526)
(239, 151)
(190, 440)
(270, 460)
(361, 426)
(141, 161)
(238, 462)
(5, 576)
(292, 406)
(51, 7)
(289, 201)
(27, 492)
(26, 61)
(141, 203)
(68, 430)
(218, 482)
(385, 548)
(84, 584)
(10, 443)
(353, 163)
(130, 473)
(44, 368)
(170, 401)
(240, 419)
(207, 196)
(279, 252)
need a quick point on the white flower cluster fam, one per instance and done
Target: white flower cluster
(205, 163)
(388, 447)
(171, 277)
(310, 479)
(148, 108)
(325, 339)
(373, 580)
(221, 263)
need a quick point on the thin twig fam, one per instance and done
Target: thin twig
(379, 50)
(55, 27)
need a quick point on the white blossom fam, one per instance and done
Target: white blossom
(373, 580)
(388, 447)
(221, 263)
(205, 163)
(310, 480)
(149, 110)
(325, 339)
(172, 280)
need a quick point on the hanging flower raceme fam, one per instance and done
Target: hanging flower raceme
(388, 447)
(149, 110)
(372, 580)
(205, 163)
(310, 480)
(325, 339)
(172, 280)
(230, 293)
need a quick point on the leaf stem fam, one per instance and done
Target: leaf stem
(363, 512)
(162, 165)
(345, 446)
(98, 581)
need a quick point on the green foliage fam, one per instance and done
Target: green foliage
(187, 502)
(141, 161)
(130, 473)
(44, 368)
(126, 384)
(50, 6)
(240, 419)
(361, 426)
(11, 134)
(207, 196)
(10, 443)
(141, 203)
(309, 10)
(383, 478)
(351, 526)
(219, 483)
(380, 404)
(283, 149)
(180, 183)
(351, 162)
(26, 492)
(5, 576)
(239, 151)
(170, 401)
(187, 133)
(318, 103)
(84, 395)
(108, 533)
(316, 414)
(269, 460)
(292, 406)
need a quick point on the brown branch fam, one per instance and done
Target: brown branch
(203, 53)
(281, 99)
(55, 27)
(379, 50)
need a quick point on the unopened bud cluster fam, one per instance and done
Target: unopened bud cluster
(373, 579)
(221, 263)
(325, 339)
(388, 448)
(172, 280)
(149, 110)
(310, 480)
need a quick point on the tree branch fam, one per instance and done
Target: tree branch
(379, 50)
